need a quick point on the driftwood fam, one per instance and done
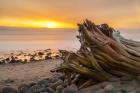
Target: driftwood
(104, 54)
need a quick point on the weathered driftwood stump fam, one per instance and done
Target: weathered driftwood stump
(104, 54)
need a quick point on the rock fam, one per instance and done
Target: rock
(98, 91)
(53, 80)
(59, 89)
(23, 88)
(49, 90)
(109, 89)
(32, 84)
(2, 62)
(12, 60)
(44, 82)
(54, 85)
(25, 60)
(8, 89)
(59, 76)
(35, 89)
(40, 53)
(132, 92)
(89, 91)
(70, 89)
(122, 91)
(9, 80)
(74, 86)
(47, 57)
(7, 60)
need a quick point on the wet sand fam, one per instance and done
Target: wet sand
(18, 73)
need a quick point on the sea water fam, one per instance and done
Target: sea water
(23, 38)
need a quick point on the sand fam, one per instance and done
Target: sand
(16, 74)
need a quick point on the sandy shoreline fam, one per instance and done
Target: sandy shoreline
(17, 74)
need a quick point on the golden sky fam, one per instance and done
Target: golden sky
(66, 13)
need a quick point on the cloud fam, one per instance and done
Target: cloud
(111, 11)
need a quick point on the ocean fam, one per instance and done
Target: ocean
(23, 38)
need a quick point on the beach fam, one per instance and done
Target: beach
(18, 73)
(70, 46)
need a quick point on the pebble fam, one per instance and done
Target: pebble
(44, 83)
(32, 84)
(99, 91)
(59, 76)
(74, 86)
(9, 80)
(49, 90)
(23, 88)
(132, 92)
(8, 89)
(70, 89)
(109, 89)
(54, 85)
(122, 91)
(59, 89)
(89, 91)
(35, 89)
(53, 80)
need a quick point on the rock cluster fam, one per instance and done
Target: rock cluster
(38, 55)
(115, 85)
(57, 84)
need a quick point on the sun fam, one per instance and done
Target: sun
(51, 25)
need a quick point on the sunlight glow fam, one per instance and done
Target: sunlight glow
(34, 23)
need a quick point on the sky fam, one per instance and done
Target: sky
(67, 13)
